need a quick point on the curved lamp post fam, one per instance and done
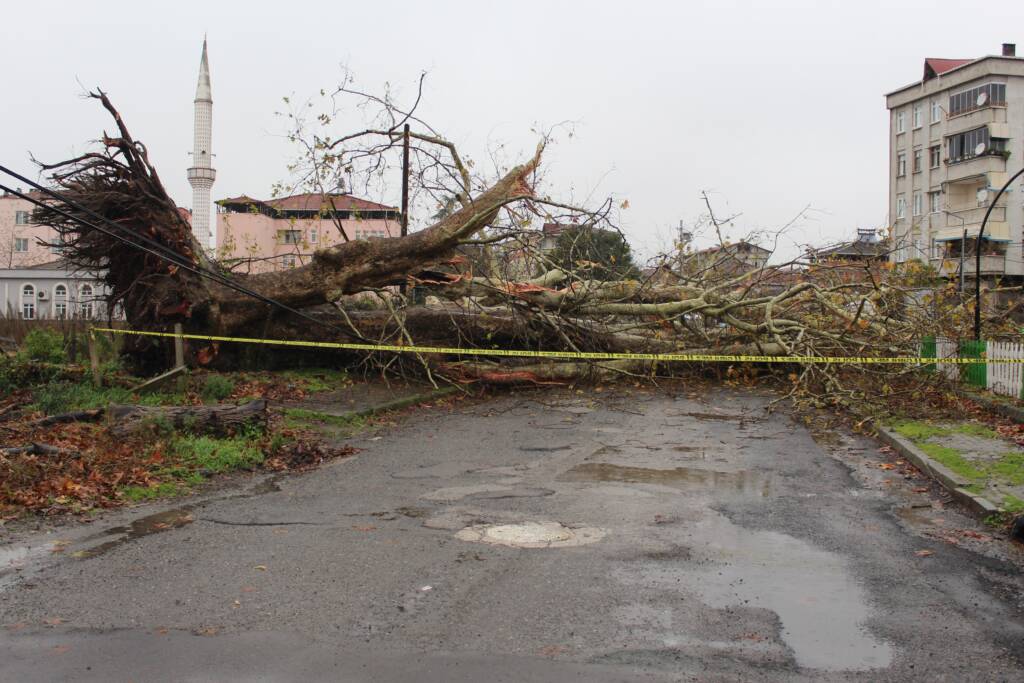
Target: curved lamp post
(977, 256)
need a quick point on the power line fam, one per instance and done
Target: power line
(167, 255)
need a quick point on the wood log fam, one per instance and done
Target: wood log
(221, 420)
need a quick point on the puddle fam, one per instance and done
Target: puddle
(531, 535)
(822, 609)
(744, 482)
(739, 417)
(144, 526)
(544, 449)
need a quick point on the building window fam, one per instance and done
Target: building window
(936, 111)
(901, 122)
(901, 165)
(901, 206)
(918, 204)
(935, 156)
(917, 116)
(20, 245)
(288, 261)
(289, 236)
(934, 202)
(60, 301)
(21, 217)
(313, 236)
(28, 302)
(990, 94)
(85, 301)
(918, 159)
(972, 143)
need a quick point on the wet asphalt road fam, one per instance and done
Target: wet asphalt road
(688, 538)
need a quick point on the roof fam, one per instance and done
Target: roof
(32, 194)
(556, 228)
(311, 201)
(936, 66)
(732, 247)
(860, 247)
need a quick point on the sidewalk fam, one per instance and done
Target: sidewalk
(981, 467)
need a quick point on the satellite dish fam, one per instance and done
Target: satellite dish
(980, 149)
(982, 195)
(982, 99)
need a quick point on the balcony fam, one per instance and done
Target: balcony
(975, 167)
(994, 264)
(972, 217)
(976, 119)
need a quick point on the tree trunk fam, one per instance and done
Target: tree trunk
(222, 420)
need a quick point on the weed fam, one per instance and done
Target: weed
(318, 379)
(62, 397)
(300, 417)
(162, 490)
(919, 431)
(975, 429)
(951, 458)
(1012, 504)
(43, 345)
(216, 388)
(212, 455)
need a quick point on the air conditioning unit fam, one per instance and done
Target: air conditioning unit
(41, 295)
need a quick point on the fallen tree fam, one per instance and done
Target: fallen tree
(471, 263)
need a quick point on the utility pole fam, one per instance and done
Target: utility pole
(405, 187)
(963, 244)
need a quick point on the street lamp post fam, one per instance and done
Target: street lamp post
(977, 261)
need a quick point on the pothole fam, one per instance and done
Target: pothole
(531, 535)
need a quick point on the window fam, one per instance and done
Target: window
(288, 261)
(918, 159)
(60, 301)
(917, 116)
(901, 165)
(934, 202)
(20, 244)
(901, 206)
(935, 156)
(988, 95)
(85, 301)
(901, 123)
(289, 236)
(28, 302)
(918, 204)
(972, 143)
(21, 217)
(938, 249)
(313, 236)
(936, 111)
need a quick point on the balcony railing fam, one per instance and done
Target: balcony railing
(974, 216)
(994, 264)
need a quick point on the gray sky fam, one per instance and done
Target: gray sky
(770, 107)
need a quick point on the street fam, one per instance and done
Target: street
(656, 534)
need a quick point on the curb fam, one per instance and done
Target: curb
(949, 480)
(400, 403)
(998, 407)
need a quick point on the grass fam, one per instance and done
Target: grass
(141, 493)
(63, 397)
(951, 458)
(1013, 505)
(315, 380)
(301, 418)
(211, 455)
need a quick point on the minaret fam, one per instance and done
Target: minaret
(202, 175)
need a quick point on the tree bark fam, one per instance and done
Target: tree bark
(222, 420)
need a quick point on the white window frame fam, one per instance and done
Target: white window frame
(936, 111)
(85, 306)
(918, 160)
(935, 202)
(60, 301)
(288, 261)
(901, 122)
(28, 301)
(901, 206)
(938, 249)
(918, 201)
(22, 217)
(916, 116)
(20, 245)
(313, 235)
(935, 155)
(901, 164)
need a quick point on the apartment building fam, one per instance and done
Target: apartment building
(276, 234)
(955, 137)
(22, 242)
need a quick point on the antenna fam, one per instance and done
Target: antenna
(982, 99)
(979, 149)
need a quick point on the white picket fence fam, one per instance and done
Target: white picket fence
(1005, 378)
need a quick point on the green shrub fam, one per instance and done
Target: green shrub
(216, 388)
(43, 345)
(213, 455)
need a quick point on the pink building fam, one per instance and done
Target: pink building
(275, 234)
(20, 237)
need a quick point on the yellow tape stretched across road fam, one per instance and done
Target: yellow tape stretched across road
(572, 355)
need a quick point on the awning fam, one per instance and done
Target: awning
(995, 232)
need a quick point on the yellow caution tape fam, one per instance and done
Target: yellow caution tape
(572, 355)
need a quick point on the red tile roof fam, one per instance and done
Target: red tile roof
(936, 66)
(312, 201)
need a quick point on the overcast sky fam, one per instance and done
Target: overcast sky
(768, 106)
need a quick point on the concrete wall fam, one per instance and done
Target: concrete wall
(10, 230)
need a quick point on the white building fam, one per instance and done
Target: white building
(955, 137)
(52, 290)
